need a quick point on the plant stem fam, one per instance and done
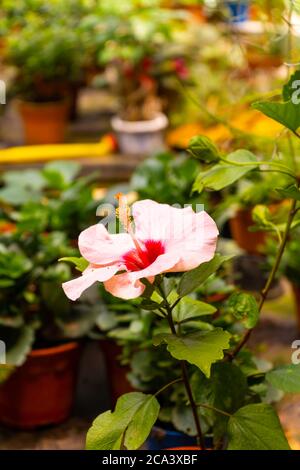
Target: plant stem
(217, 410)
(175, 303)
(265, 290)
(162, 389)
(270, 279)
(185, 376)
(276, 165)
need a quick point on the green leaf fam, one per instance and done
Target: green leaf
(183, 419)
(229, 386)
(79, 321)
(290, 88)
(219, 176)
(5, 372)
(202, 148)
(242, 156)
(148, 304)
(291, 192)
(189, 308)
(201, 348)
(191, 280)
(286, 113)
(286, 378)
(262, 216)
(16, 195)
(60, 173)
(18, 342)
(256, 427)
(244, 307)
(226, 390)
(224, 174)
(130, 423)
(80, 263)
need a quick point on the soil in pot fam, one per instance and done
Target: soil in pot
(252, 242)
(41, 391)
(116, 373)
(44, 123)
(140, 137)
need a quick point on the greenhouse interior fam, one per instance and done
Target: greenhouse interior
(149, 227)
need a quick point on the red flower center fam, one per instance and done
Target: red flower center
(136, 260)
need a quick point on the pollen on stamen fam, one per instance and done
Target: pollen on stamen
(123, 211)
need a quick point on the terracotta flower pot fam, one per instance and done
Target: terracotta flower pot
(44, 123)
(257, 60)
(218, 297)
(296, 290)
(116, 373)
(251, 242)
(41, 391)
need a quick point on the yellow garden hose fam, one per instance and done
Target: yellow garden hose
(44, 153)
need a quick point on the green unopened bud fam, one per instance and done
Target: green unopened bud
(202, 148)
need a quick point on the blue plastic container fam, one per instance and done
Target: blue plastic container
(165, 438)
(238, 10)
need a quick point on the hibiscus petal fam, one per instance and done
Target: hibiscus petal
(124, 287)
(199, 245)
(99, 247)
(192, 235)
(154, 221)
(73, 289)
(128, 285)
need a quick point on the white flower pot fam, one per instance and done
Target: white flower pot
(140, 137)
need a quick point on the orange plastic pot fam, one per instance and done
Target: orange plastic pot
(252, 242)
(42, 390)
(116, 373)
(44, 123)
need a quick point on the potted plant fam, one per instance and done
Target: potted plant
(32, 394)
(41, 330)
(132, 46)
(47, 66)
(54, 198)
(186, 325)
(159, 239)
(137, 365)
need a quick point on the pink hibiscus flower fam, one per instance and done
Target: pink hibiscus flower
(165, 239)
